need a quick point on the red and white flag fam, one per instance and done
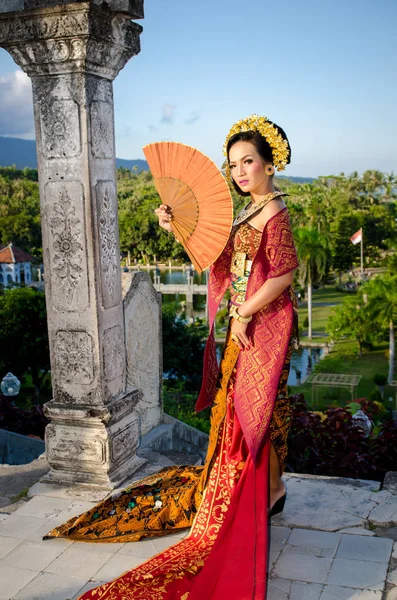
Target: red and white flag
(357, 237)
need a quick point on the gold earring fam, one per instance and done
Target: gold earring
(269, 170)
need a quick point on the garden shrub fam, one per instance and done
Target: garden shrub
(335, 446)
(26, 422)
(375, 395)
(379, 379)
(179, 403)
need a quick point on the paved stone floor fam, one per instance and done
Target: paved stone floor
(333, 541)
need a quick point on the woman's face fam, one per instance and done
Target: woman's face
(247, 166)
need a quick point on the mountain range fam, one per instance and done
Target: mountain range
(22, 153)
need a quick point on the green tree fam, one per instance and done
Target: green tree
(313, 253)
(343, 251)
(23, 335)
(183, 348)
(20, 212)
(140, 234)
(351, 320)
(382, 306)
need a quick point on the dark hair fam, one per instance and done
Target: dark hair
(262, 147)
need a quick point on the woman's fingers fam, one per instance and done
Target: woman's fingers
(237, 342)
(244, 339)
(164, 215)
(239, 335)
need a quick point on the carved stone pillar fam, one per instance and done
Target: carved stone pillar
(72, 51)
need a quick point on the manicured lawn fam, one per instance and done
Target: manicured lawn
(341, 360)
(320, 314)
(329, 294)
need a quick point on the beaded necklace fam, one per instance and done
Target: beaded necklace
(245, 213)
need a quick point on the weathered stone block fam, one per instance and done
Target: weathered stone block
(94, 445)
(142, 325)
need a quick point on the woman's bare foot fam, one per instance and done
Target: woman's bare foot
(276, 493)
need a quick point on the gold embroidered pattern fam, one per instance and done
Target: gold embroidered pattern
(151, 579)
(246, 240)
(251, 209)
(280, 247)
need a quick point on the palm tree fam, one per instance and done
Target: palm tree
(382, 304)
(313, 250)
(390, 183)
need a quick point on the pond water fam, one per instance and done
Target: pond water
(177, 275)
(302, 362)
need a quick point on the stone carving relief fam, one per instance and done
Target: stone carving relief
(124, 442)
(66, 241)
(119, 29)
(67, 443)
(113, 353)
(143, 343)
(60, 129)
(73, 351)
(109, 251)
(50, 43)
(102, 134)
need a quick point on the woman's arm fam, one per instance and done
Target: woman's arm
(268, 292)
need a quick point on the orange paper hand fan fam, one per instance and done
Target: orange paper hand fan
(197, 193)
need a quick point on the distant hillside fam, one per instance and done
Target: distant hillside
(296, 179)
(22, 153)
(128, 164)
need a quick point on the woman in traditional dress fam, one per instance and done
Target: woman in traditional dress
(228, 501)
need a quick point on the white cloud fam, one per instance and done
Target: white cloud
(192, 118)
(16, 105)
(168, 114)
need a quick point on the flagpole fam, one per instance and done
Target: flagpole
(362, 252)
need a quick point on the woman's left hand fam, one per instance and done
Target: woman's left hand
(238, 334)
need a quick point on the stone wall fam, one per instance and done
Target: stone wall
(143, 340)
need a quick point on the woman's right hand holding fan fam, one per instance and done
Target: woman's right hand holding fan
(165, 216)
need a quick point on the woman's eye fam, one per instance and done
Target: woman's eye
(249, 161)
(231, 166)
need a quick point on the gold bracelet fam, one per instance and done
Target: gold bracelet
(233, 312)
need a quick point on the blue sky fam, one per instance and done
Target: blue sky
(323, 69)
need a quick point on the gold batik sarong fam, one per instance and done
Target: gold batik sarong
(169, 500)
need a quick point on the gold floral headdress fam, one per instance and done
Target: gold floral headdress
(279, 146)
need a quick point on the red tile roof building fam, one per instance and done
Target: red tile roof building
(11, 254)
(14, 265)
